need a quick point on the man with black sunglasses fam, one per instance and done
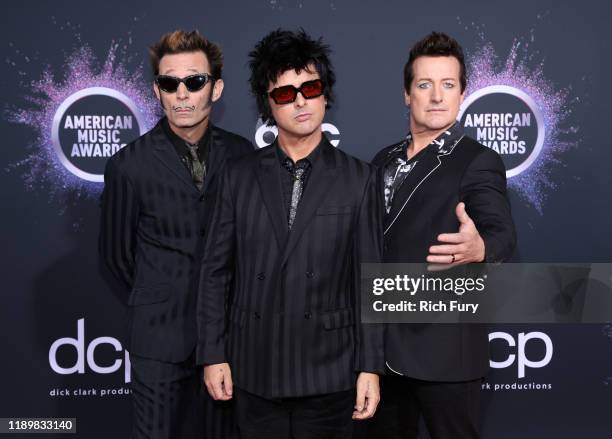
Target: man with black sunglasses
(278, 310)
(159, 196)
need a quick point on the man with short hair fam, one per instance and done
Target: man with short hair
(159, 195)
(279, 314)
(435, 181)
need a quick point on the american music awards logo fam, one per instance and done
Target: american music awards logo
(513, 109)
(90, 126)
(82, 119)
(508, 121)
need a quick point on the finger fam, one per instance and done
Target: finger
(217, 386)
(451, 238)
(447, 259)
(444, 259)
(446, 249)
(229, 384)
(462, 215)
(371, 405)
(360, 400)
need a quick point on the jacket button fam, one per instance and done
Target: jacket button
(261, 276)
(256, 315)
(307, 315)
(309, 274)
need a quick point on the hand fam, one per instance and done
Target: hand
(218, 381)
(460, 248)
(368, 396)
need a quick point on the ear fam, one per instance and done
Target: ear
(217, 90)
(461, 98)
(156, 91)
(406, 98)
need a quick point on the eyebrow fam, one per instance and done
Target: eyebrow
(443, 79)
(191, 70)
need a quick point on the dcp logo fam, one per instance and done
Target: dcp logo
(90, 126)
(86, 355)
(521, 352)
(265, 134)
(506, 120)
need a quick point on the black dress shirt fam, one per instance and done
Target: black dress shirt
(180, 145)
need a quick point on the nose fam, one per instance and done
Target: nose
(300, 101)
(436, 93)
(182, 92)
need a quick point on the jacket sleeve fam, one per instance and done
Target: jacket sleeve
(216, 276)
(483, 189)
(368, 249)
(118, 223)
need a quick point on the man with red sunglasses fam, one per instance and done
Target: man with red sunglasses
(159, 194)
(278, 309)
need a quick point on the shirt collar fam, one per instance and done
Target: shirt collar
(446, 140)
(181, 144)
(310, 159)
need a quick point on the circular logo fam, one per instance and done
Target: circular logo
(506, 120)
(90, 126)
(265, 134)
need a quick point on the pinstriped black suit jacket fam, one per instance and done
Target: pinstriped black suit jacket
(151, 232)
(294, 323)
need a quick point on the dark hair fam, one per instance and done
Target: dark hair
(283, 50)
(435, 44)
(181, 41)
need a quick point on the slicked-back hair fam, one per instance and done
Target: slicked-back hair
(283, 50)
(435, 44)
(181, 41)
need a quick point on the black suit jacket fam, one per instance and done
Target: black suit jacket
(422, 208)
(292, 296)
(152, 229)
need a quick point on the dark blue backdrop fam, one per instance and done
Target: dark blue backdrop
(49, 222)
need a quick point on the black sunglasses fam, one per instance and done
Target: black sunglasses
(170, 84)
(288, 93)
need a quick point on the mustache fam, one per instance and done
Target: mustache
(183, 107)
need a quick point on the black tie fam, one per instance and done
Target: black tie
(196, 167)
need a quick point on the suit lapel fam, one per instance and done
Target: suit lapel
(216, 157)
(427, 164)
(269, 180)
(165, 152)
(319, 182)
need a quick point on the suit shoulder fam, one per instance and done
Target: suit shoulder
(247, 159)
(381, 156)
(354, 164)
(480, 152)
(234, 140)
(131, 155)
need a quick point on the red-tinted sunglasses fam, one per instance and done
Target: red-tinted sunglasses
(288, 93)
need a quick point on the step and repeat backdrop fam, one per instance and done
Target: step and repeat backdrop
(76, 87)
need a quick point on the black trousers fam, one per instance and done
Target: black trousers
(451, 410)
(170, 401)
(322, 416)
